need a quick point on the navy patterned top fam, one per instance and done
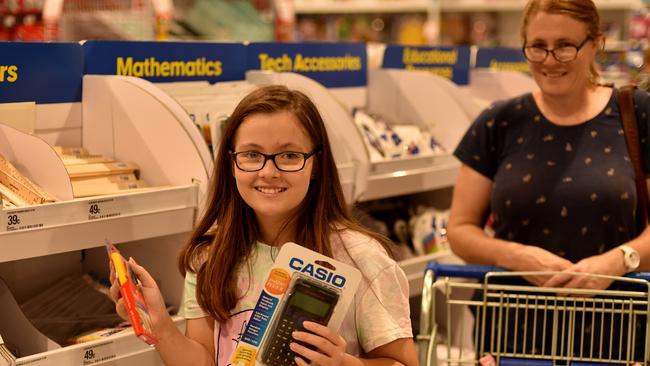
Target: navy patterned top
(567, 189)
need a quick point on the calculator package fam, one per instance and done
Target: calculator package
(302, 285)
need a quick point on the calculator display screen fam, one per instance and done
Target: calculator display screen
(310, 304)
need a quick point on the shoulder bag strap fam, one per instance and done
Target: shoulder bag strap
(631, 129)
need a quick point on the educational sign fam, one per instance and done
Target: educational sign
(40, 72)
(509, 59)
(449, 62)
(166, 61)
(334, 65)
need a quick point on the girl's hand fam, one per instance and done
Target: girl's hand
(330, 346)
(609, 263)
(152, 297)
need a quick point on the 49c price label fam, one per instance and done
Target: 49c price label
(102, 209)
(98, 353)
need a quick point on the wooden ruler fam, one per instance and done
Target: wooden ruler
(20, 186)
(99, 169)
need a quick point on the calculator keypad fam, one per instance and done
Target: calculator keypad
(278, 352)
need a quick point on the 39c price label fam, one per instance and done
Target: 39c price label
(24, 219)
(13, 220)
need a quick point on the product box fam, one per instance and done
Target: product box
(132, 294)
(302, 285)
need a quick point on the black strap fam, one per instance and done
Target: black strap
(631, 129)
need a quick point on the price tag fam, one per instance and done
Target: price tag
(28, 218)
(103, 208)
(98, 353)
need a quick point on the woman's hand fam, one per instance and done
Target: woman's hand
(609, 263)
(330, 346)
(532, 258)
(152, 297)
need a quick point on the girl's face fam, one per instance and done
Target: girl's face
(274, 195)
(552, 31)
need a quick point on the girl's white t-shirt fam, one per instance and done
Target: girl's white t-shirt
(379, 314)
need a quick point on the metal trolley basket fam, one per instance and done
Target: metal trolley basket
(483, 315)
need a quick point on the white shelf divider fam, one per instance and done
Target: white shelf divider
(47, 170)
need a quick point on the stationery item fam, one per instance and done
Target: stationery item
(99, 169)
(105, 185)
(89, 159)
(71, 151)
(131, 291)
(16, 185)
(302, 285)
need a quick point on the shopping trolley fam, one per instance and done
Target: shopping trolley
(484, 315)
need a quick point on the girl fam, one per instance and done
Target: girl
(275, 181)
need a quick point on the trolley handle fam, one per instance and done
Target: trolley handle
(639, 275)
(472, 271)
(478, 272)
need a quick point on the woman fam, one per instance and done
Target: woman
(275, 181)
(551, 167)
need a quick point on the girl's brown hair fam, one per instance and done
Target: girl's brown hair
(583, 11)
(226, 234)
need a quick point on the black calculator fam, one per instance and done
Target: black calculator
(307, 301)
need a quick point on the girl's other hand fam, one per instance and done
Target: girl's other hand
(330, 346)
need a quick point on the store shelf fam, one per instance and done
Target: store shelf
(86, 223)
(410, 175)
(361, 6)
(123, 348)
(518, 5)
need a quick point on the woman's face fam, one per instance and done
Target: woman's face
(274, 195)
(551, 31)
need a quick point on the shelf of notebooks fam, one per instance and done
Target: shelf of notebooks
(361, 6)
(413, 120)
(418, 120)
(43, 245)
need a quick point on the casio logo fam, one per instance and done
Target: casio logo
(318, 272)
